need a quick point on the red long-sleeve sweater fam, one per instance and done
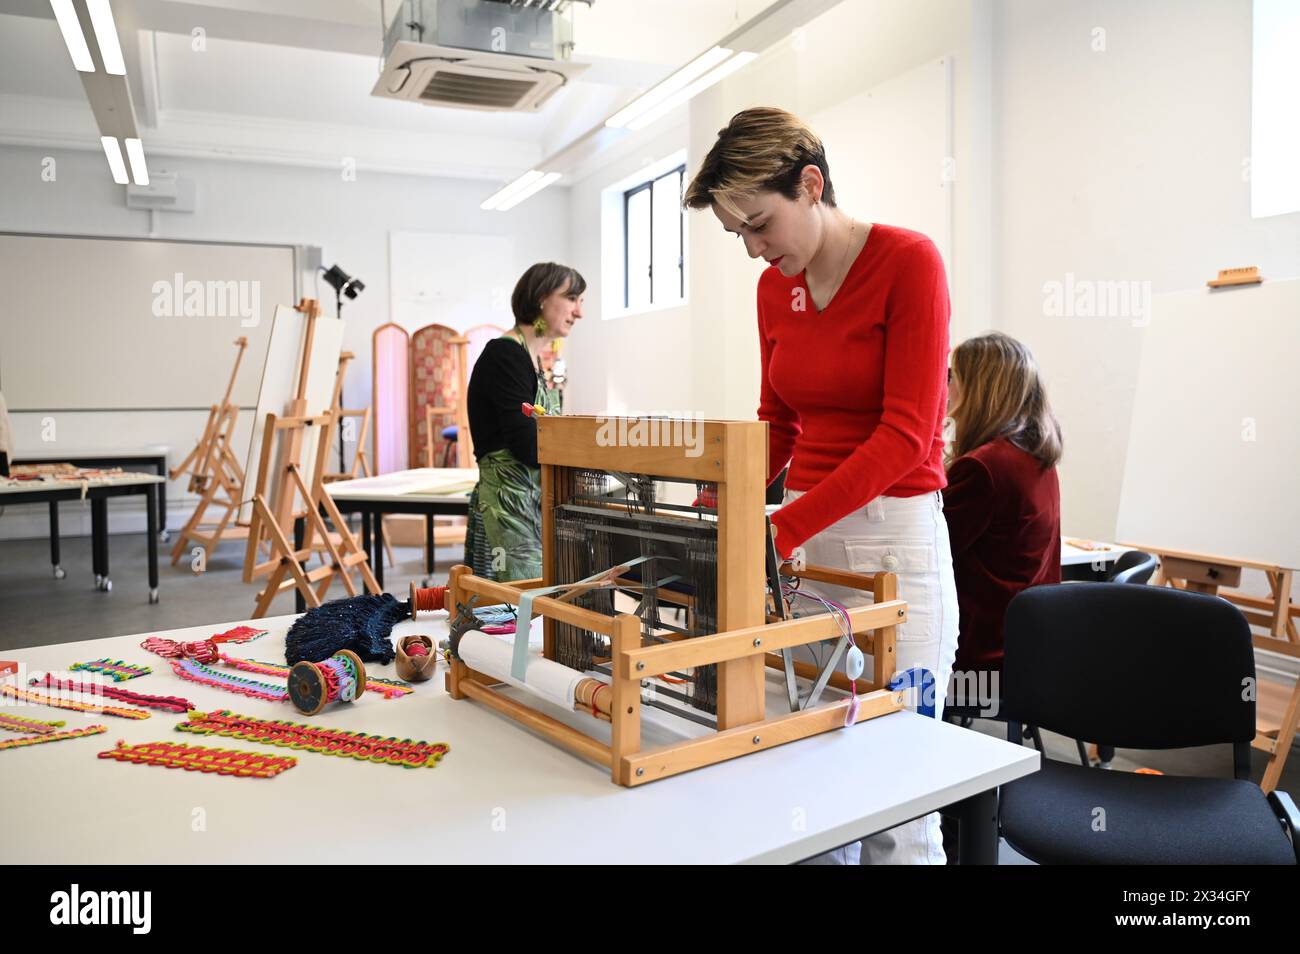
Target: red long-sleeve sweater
(856, 393)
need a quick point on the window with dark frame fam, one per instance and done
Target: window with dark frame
(654, 266)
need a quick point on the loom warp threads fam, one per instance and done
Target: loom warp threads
(117, 670)
(166, 703)
(356, 745)
(201, 758)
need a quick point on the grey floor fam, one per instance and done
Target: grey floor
(37, 610)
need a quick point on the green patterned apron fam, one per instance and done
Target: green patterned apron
(503, 540)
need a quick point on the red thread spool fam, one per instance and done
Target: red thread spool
(426, 599)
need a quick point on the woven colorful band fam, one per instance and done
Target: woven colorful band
(57, 703)
(52, 737)
(118, 670)
(388, 688)
(201, 758)
(13, 723)
(367, 748)
(167, 703)
(240, 634)
(197, 672)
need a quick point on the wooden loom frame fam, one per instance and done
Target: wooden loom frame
(735, 458)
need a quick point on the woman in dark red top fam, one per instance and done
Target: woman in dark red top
(1003, 503)
(853, 339)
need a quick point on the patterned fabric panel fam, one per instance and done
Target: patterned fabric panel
(433, 384)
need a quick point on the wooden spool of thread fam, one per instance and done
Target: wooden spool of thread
(593, 696)
(427, 599)
(341, 678)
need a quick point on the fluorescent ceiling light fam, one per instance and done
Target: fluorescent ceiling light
(139, 169)
(110, 51)
(113, 153)
(701, 84)
(72, 35)
(647, 101)
(533, 189)
(523, 182)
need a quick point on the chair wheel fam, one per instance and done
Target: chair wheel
(107, 585)
(60, 573)
(153, 596)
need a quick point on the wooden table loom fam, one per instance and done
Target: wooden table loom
(714, 558)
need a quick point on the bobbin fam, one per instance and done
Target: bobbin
(432, 594)
(308, 689)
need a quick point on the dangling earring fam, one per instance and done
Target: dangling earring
(539, 325)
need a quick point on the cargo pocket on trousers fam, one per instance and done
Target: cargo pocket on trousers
(916, 566)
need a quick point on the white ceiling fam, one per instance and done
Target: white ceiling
(290, 81)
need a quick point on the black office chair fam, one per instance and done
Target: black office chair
(1133, 566)
(1148, 668)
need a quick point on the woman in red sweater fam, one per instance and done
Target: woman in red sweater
(1003, 502)
(853, 336)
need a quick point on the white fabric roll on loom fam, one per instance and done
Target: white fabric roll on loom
(492, 656)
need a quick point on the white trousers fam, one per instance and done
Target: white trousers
(908, 537)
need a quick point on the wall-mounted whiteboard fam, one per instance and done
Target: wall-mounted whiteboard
(890, 153)
(90, 323)
(451, 279)
(1215, 445)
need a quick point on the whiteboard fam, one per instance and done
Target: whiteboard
(279, 385)
(890, 153)
(91, 323)
(1215, 445)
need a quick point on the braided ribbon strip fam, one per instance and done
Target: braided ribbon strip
(57, 703)
(52, 737)
(388, 688)
(118, 670)
(357, 745)
(167, 703)
(13, 723)
(197, 672)
(201, 758)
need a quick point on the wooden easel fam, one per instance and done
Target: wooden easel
(274, 516)
(735, 459)
(360, 462)
(215, 474)
(1277, 714)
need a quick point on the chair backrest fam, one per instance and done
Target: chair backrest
(1140, 667)
(1133, 566)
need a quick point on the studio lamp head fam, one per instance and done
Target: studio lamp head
(343, 283)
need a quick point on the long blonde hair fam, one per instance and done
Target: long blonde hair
(1000, 393)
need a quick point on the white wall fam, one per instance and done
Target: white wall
(703, 357)
(249, 202)
(1120, 165)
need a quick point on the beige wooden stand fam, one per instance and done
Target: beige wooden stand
(1276, 711)
(360, 462)
(215, 474)
(274, 514)
(734, 457)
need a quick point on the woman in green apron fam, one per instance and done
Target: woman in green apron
(504, 537)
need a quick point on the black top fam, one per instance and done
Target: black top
(503, 379)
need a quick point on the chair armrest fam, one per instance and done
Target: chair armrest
(1285, 810)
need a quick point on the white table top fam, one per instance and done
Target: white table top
(437, 483)
(59, 452)
(11, 486)
(1106, 553)
(501, 795)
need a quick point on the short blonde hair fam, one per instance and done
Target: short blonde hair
(764, 148)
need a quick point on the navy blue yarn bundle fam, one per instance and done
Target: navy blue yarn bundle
(363, 624)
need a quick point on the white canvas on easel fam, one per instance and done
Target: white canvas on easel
(1215, 446)
(280, 382)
